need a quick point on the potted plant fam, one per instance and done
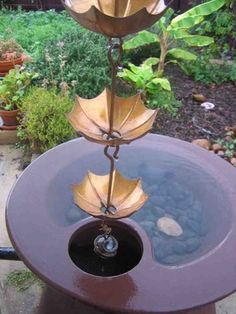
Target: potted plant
(12, 90)
(10, 55)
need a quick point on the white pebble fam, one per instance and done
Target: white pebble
(169, 226)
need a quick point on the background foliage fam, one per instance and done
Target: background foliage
(79, 59)
(44, 124)
(71, 60)
(32, 30)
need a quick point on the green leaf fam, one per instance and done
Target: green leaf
(162, 24)
(9, 107)
(185, 22)
(151, 61)
(178, 33)
(141, 39)
(134, 78)
(182, 54)
(198, 40)
(135, 69)
(163, 82)
(203, 9)
(3, 89)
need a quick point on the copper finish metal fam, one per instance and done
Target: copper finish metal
(108, 119)
(114, 45)
(132, 120)
(127, 196)
(111, 174)
(116, 18)
(114, 121)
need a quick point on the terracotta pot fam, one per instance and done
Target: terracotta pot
(9, 119)
(6, 66)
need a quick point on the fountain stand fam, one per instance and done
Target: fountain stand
(166, 273)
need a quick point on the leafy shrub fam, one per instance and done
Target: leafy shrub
(44, 124)
(166, 101)
(228, 145)
(222, 26)
(79, 59)
(206, 72)
(32, 30)
(176, 34)
(9, 50)
(13, 88)
(140, 54)
(144, 78)
(156, 91)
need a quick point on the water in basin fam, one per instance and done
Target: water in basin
(179, 190)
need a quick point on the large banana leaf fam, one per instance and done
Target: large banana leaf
(182, 54)
(191, 40)
(178, 33)
(141, 39)
(198, 40)
(185, 23)
(203, 9)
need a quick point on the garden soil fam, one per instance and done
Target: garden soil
(193, 121)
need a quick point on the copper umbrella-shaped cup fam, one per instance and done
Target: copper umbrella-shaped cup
(132, 120)
(127, 196)
(116, 18)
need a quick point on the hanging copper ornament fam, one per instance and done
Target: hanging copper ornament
(116, 18)
(91, 196)
(132, 120)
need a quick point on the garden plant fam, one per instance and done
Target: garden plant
(12, 90)
(181, 56)
(10, 55)
(44, 124)
(176, 36)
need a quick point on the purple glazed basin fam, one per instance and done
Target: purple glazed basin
(185, 182)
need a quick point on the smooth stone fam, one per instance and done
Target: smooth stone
(154, 200)
(170, 204)
(174, 190)
(185, 204)
(233, 161)
(152, 189)
(158, 212)
(188, 234)
(203, 228)
(161, 248)
(159, 201)
(147, 207)
(197, 206)
(195, 215)
(192, 245)
(171, 260)
(158, 234)
(184, 222)
(179, 248)
(204, 143)
(147, 226)
(195, 226)
(149, 217)
(176, 213)
(169, 226)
